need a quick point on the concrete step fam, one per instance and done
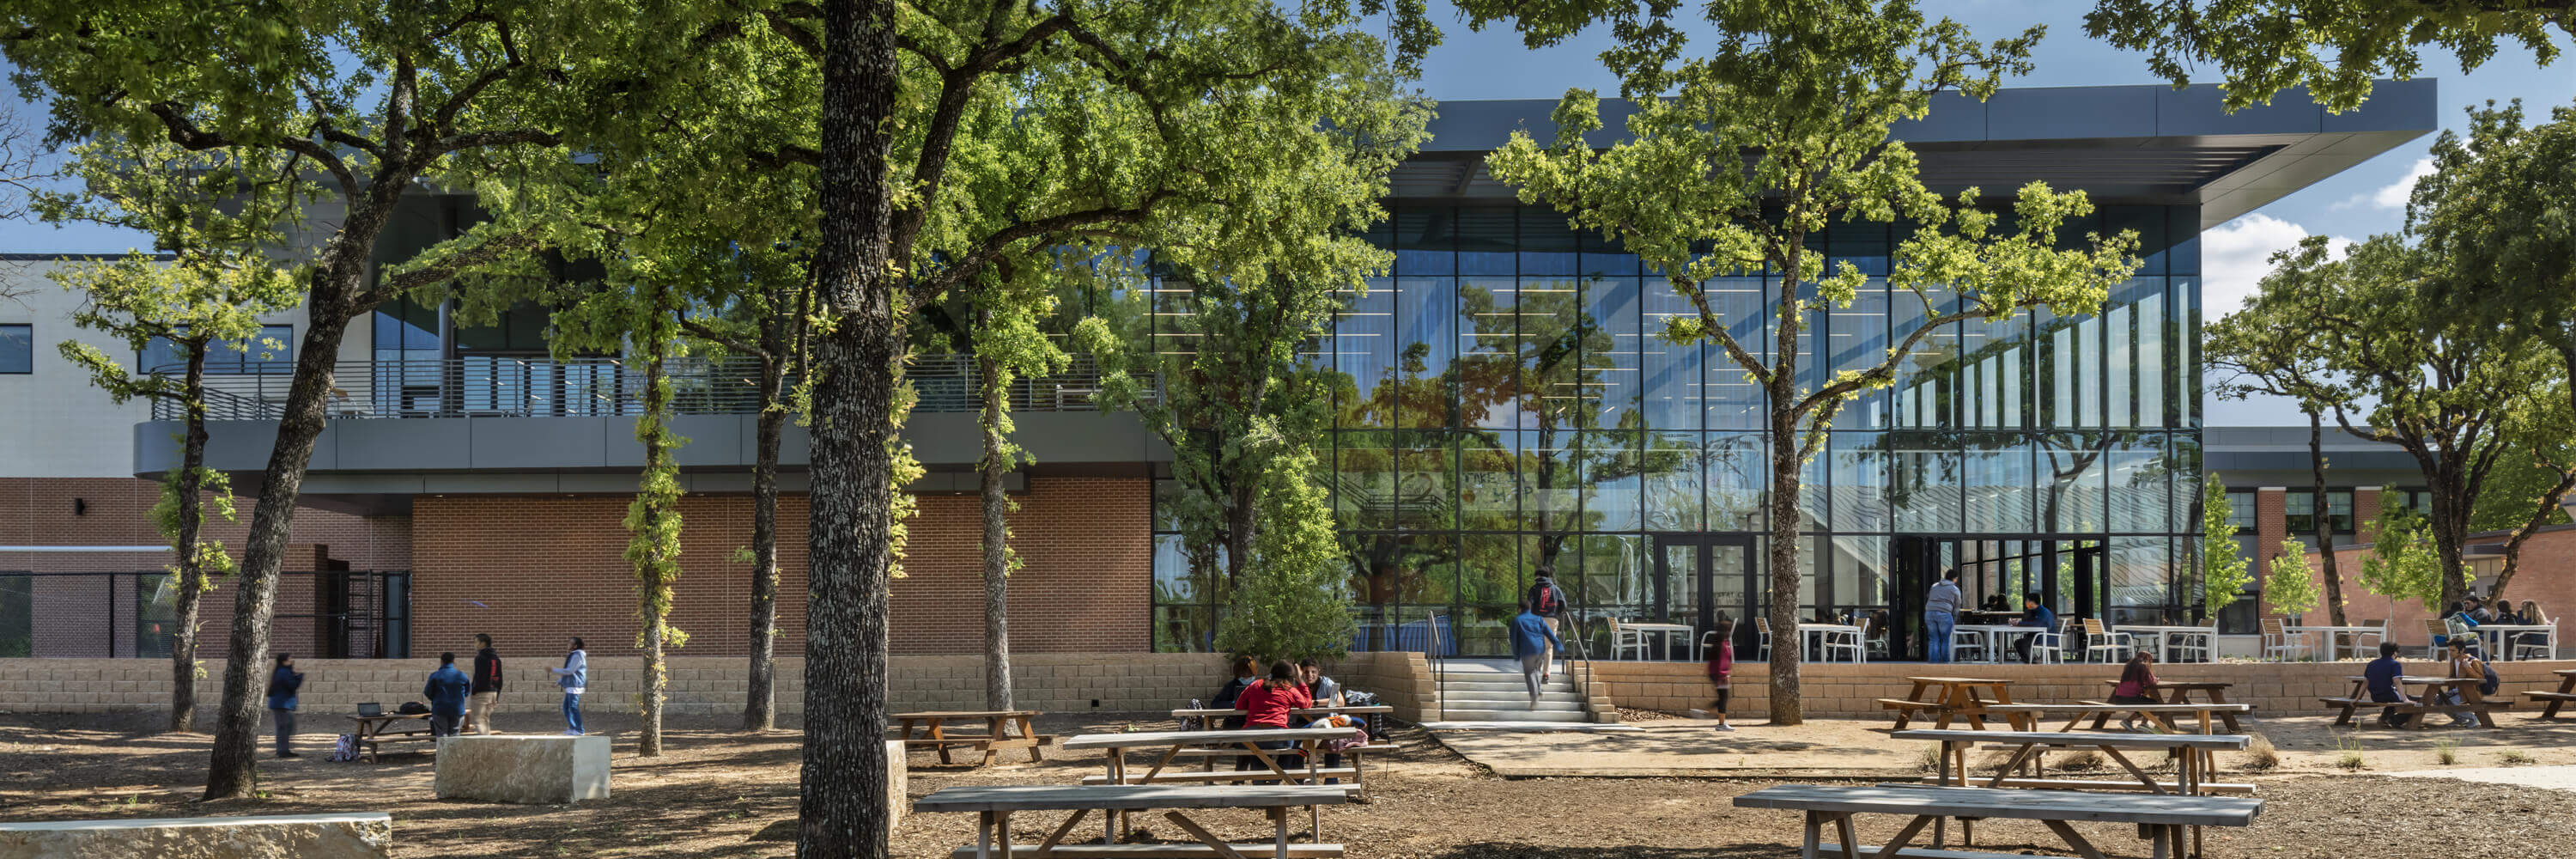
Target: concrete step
(1553, 684)
(1454, 714)
(1569, 704)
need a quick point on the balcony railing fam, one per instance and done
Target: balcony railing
(599, 387)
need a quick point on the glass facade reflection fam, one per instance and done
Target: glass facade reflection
(1505, 405)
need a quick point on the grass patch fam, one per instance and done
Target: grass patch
(2349, 756)
(2080, 760)
(2515, 757)
(2260, 755)
(1930, 759)
(2447, 751)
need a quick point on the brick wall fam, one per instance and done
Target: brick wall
(700, 685)
(1845, 690)
(538, 569)
(2542, 575)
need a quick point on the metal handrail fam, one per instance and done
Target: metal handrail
(1432, 649)
(505, 386)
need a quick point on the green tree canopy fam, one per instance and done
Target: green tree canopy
(2332, 47)
(2227, 570)
(1734, 159)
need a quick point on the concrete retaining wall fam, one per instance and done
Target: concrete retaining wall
(1845, 690)
(367, 835)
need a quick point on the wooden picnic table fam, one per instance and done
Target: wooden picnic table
(372, 730)
(1953, 698)
(996, 737)
(2161, 816)
(1306, 742)
(2196, 755)
(2180, 692)
(2471, 700)
(2161, 714)
(2566, 692)
(1185, 713)
(994, 805)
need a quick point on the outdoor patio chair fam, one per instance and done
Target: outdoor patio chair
(1762, 638)
(2113, 646)
(2354, 638)
(2197, 645)
(1707, 642)
(2434, 633)
(1622, 638)
(1967, 641)
(2279, 642)
(2050, 646)
(1846, 641)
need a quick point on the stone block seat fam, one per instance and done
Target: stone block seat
(353, 835)
(531, 769)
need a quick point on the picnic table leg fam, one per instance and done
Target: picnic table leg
(1031, 734)
(1279, 833)
(1905, 836)
(2566, 686)
(1192, 827)
(1904, 715)
(1047, 847)
(1815, 831)
(937, 733)
(984, 835)
(993, 732)
(2161, 836)
(1851, 842)
(2074, 839)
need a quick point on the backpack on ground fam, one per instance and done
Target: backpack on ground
(346, 749)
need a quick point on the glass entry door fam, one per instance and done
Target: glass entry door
(1700, 578)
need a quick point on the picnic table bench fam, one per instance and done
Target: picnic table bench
(996, 737)
(1208, 714)
(2161, 816)
(2209, 715)
(2192, 750)
(2471, 700)
(1952, 698)
(2180, 692)
(994, 805)
(374, 730)
(1244, 743)
(2566, 692)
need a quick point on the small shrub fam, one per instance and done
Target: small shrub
(2350, 757)
(1930, 759)
(2079, 761)
(2447, 751)
(2515, 758)
(2260, 755)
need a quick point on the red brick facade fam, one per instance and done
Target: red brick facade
(543, 568)
(532, 569)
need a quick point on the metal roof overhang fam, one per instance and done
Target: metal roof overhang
(2132, 145)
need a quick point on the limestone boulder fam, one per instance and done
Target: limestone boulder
(531, 769)
(368, 835)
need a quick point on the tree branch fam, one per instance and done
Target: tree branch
(993, 245)
(491, 249)
(478, 139)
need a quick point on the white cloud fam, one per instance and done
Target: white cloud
(2236, 255)
(2391, 197)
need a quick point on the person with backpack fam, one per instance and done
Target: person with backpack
(573, 676)
(1548, 602)
(1531, 640)
(1227, 695)
(446, 690)
(1941, 616)
(282, 685)
(2465, 663)
(1267, 705)
(487, 686)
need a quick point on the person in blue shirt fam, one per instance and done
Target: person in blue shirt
(2033, 614)
(1531, 641)
(446, 690)
(2382, 674)
(282, 685)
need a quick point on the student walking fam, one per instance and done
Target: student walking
(1547, 601)
(1940, 616)
(282, 684)
(487, 686)
(1721, 668)
(1531, 640)
(573, 676)
(446, 690)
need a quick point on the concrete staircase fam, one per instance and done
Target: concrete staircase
(1491, 690)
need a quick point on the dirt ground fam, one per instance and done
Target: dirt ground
(719, 793)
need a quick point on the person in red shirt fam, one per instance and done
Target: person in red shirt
(1266, 705)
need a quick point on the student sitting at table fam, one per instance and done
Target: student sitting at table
(2465, 663)
(2034, 615)
(1266, 704)
(1226, 695)
(2382, 675)
(2531, 616)
(2137, 686)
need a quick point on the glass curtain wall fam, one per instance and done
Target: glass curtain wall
(1506, 406)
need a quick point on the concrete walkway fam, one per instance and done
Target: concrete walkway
(1690, 747)
(2553, 778)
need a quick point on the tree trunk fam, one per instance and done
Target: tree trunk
(2325, 526)
(191, 571)
(995, 466)
(760, 701)
(652, 552)
(230, 771)
(1782, 556)
(842, 807)
(2450, 521)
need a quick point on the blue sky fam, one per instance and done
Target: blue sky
(2359, 202)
